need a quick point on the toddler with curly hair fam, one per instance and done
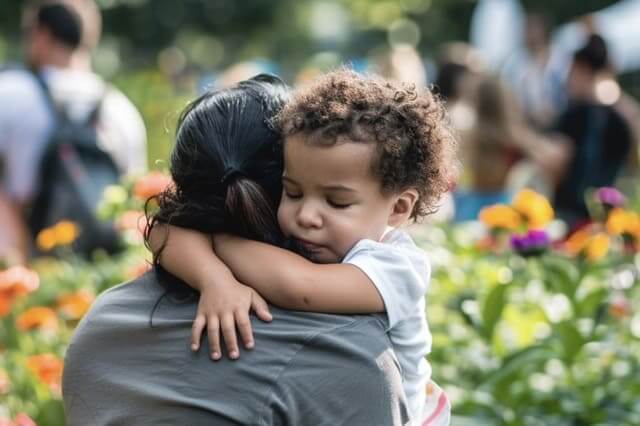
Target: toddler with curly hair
(362, 157)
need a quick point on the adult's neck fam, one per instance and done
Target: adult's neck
(56, 57)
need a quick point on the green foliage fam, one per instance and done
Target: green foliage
(533, 341)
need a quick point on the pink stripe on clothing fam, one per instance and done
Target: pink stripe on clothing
(442, 402)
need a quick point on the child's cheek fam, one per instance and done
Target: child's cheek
(283, 222)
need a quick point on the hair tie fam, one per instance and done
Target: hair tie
(229, 174)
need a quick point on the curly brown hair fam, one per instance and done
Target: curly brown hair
(415, 146)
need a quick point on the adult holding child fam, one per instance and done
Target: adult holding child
(362, 156)
(129, 361)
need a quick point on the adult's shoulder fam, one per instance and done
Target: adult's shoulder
(16, 80)
(18, 88)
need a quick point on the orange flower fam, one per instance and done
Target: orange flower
(37, 317)
(75, 305)
(500, 216)
(47, 368)
(14, 282)
(588, 242)
(66, 232)
(150, 185)
(46, 239)
(577, 241)
(534, 207)
(597, 246)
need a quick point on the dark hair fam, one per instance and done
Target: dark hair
(593, 54)
(415, 147)
(226, 164)
(447, 84)
(63, 23)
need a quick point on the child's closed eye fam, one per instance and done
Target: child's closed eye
(339, 205)
(292, 195)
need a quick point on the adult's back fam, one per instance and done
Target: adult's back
(601, 140)
(130, 363)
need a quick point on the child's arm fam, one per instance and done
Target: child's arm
(224, 302)
(291, 281)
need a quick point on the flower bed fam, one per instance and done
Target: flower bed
(528, 328)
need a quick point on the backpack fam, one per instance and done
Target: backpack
(74, 171)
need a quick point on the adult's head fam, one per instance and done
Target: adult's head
(60, 32)
(226, 164)
(589, 62)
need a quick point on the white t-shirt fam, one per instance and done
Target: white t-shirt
(26, 122)
(401, 272)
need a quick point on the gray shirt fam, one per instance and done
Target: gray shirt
(126, 367)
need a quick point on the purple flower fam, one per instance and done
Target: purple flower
(532, 243)
(610, 196)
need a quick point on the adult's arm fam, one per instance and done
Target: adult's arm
(13, 232)
(552, 153)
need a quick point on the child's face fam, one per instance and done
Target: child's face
(331, 199)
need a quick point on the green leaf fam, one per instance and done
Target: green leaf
(571, 339)
(589, 304)
(492, 310)
(518, 363)
(561, 276)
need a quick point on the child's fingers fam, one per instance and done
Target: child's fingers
(260, 307)
(196, 331)
(244, 328)
(228, 326)
(213, 333)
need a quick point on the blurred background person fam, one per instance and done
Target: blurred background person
(534, 75)
(600, 136)
(58, 37)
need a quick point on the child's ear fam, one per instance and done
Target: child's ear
(402, 207)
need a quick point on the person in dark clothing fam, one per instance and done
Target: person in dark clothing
(600, 136)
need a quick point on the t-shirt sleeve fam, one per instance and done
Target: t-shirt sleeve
(343, 377)
(21, 141)
(399, 272)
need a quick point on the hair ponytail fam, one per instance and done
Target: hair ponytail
(251, 211)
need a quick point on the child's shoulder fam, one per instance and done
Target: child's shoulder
(396, 247)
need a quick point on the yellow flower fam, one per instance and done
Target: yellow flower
(534, 207)
(46, 239)
(37, 317)
(597, 246)
(65, 232)
(75, 305)
(500, 216)
(622, 222)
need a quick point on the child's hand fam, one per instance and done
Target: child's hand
(225, 306)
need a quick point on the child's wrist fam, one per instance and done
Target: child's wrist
(211, 275)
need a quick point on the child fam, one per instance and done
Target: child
(361, 158)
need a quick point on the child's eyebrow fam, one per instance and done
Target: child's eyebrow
(339, 188)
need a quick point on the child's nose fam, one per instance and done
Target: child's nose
(308, 216)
